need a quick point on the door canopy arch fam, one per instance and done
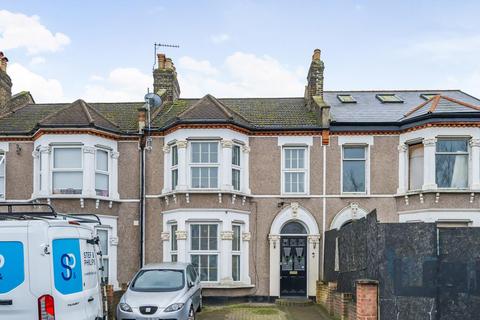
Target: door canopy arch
(294, 213)
(347, 214)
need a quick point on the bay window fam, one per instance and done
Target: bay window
(415, 166)
(451, 162)
(204, 250)
(354, 168)
(294, 170)
(102, 173)
(67, 170)
(236, 252)
(2, 176)
(204, 165)
(236, 167)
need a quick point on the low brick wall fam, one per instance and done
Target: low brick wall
(113, 298)
(341, 306)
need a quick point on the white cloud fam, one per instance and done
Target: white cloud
(42, 89)
(200, 66)
(18, 30)
(219, 38)
(37, 60)
(121, 84)
(446, 48)
(242, 75)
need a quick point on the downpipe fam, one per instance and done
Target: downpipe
(142, 200)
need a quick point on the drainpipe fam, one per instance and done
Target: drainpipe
(142, 200)
(142, 114)
(324, 206)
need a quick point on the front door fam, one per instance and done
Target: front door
(293, 266)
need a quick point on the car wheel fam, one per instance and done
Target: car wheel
(191, 314)
(200, 305)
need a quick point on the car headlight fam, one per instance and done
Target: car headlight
(125, 307)
(174, 307)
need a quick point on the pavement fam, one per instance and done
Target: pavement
(263, 312)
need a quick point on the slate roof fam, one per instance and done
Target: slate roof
(250, 113)
(114, 117)
(80, 114)
(369, 109)
(253, 113)
(440, 104)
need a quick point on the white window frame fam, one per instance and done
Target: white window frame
(305, 170)
(192, 164)
(209, 252)
(407, 165)
(238, 167)
(173, 166)
(468, 153)
(173, 239)
(106, 256)
(3, 160)
(367, 167)
(237, 252)
(106, 173)
(53, 169)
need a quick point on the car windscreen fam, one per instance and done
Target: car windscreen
(158, 280)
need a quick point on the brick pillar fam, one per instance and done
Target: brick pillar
(332, 288)
(367, 300)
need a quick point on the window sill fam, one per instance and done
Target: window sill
(439, 190)
(354, 194)
(231, 285)
(72, 196)
(203, 191)
(295, 195)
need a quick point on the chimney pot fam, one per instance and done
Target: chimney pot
(161, 60)
(169, 64)
(316, 55)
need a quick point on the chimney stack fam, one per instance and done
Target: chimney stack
(314, 87)
(5, 83)
(165, 78)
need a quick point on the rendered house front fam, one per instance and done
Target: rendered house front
(244, 188)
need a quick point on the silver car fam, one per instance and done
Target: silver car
(162, 291)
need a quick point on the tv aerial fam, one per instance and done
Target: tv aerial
(161, 45)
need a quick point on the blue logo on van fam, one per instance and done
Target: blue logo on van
(67, 266)
(12, 268)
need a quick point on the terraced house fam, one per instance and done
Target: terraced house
(243, 188)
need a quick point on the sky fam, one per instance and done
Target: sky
(103, 50)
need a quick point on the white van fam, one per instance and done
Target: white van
(49, 266)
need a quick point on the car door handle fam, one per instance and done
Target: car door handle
(6, 302)
(91, 299)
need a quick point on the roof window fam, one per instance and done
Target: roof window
(389, 98)
(428, 96)
(346, 98)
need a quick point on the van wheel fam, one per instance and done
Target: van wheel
(191, 314)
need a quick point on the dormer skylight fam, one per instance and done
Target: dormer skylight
(346, 98)
(389, 98)
(428, 96)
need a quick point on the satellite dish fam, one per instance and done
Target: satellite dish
(153, 100)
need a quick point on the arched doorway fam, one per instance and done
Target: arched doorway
(347, 215)
(293, 262)
(294, 253)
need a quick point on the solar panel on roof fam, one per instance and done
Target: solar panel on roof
(389, 98)
(346, 98)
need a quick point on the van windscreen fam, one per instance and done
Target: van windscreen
(158, 280)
